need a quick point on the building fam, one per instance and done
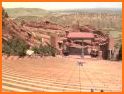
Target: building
(80, 42)
(87, 40)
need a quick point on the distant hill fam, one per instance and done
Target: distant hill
(91, 10)
(100, 18)
(17, 12)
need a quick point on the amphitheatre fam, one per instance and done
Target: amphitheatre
(60, 74)
(84, 56)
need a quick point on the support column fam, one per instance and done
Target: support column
(100, 55)
(82, 53)
(110, 54)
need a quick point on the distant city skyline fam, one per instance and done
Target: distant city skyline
(62, 5)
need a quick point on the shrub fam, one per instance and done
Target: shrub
(4, 14)
(120, 53)
(45, 50)
(15, 46)
(36, 50)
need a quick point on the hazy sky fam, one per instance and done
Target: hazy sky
(62, 5)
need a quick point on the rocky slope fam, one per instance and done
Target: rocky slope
(31, 32)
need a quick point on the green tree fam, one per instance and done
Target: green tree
(120, 53)
(4, 13)
(15, 46)
(45, 50)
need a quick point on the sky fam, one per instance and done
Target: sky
(62, 5)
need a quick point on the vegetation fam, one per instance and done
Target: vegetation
(44, 50)
(120, 53)
(14, 46)
(4, 14)
(16, 12)
(18, 47)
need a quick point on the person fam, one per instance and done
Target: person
(102, 91)
(92, 90)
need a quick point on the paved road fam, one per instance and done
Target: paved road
(61, 74)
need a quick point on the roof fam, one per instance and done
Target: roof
(80, 35)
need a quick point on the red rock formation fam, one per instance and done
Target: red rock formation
(44, 25)
(12, 29)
